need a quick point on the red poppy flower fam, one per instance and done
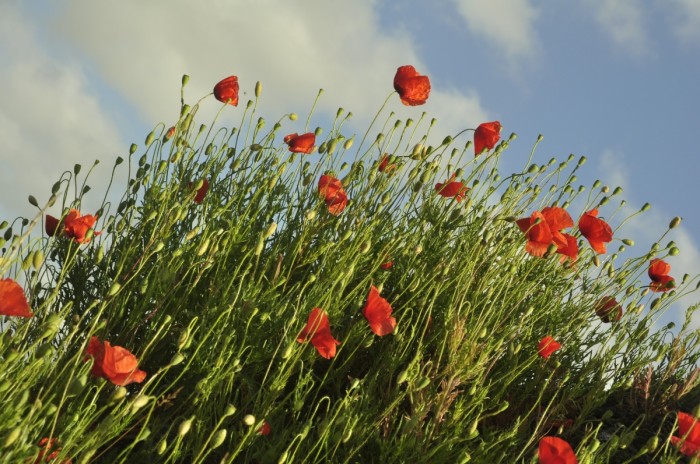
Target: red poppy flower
(596, 231)
(333, 193)
(226, 91)
(51, 225)
(377, 311)
(386, 266)
(170, 133)
(658, 273)
(413, 88)
(569, 249)
(486, 136)
(543, 229)
(547, 346)
(452, 188)
(554, 450)
(202, 192)
(265, 429)
(384, 165)
(47, 446)
(113, 363)
(608, 309)
(319, 329)
(688, 439)
(538, 234)
(76, 226)
(303, 143)
(13, 302)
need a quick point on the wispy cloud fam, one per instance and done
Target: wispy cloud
(508, 24)
(49, 119)
(624, 21)
(685, 19)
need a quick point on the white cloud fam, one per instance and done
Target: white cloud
(53, 114)
(624, 21)
(294, 47)
(509, 24)
(49, 120)
(686, 19)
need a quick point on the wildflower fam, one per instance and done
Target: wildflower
(384, 165)
(169, 134)
(318, 328)
(333, 193)
(202, 192)
(608, 309)
(303, 143)
(554, 450)
(658, 273)
(76, 226)
(570, 249)
(543, 228)
(47, 446)
(387, 265)
(596, 230)
(547, 346)
(452, 188)
(13, 302)
(226, 90)
(377, 311)
(265, 429)
(113, 363)
(688, 439)
(486, 136)
(413, 88)
(51, 225)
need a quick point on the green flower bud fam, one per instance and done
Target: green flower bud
(258, 89)
(114, 289)
(118, 395)
(270, 230)
(674, 222)
(184, 427)
(12, 437)
(674, 251)
(293, 117)
(249, 420)
(162, 446)
(645, 207)
(218, 438)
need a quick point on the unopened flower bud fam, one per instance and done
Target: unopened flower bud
(218, 438)
(258, 89)
(674, 251)
(674, 222)
(645, 207)
(270, 230)
(184, 427)
(249, 420)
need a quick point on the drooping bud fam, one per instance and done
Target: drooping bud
(675, 222)
(258, 89)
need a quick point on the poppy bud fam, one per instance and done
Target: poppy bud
(114, 289)
(162, 446)
(645, 207)
(184, 427)
(674, 222)
(12, 436)
(139, 402)
(617, 191)
(133, 148)
(176, 359)
(118, 394)
(218, 438)
(402, 377)
(249, 420)
(203, 247)
(348, 143)
(673, 251)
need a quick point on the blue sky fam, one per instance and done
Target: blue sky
(615, 80)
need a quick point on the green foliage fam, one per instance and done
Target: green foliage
(211, 297)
